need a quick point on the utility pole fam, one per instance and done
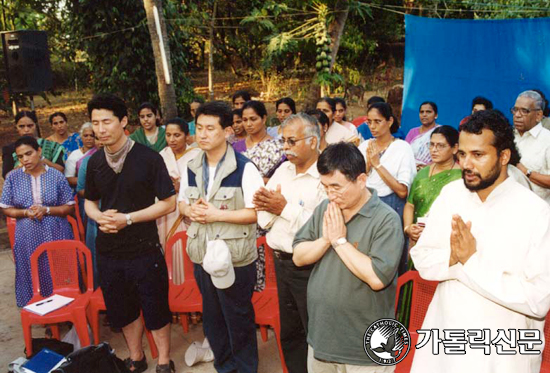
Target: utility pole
(161, 52)
(211, 54)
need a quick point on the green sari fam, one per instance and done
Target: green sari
(50, 151)
(425, 189)
(139, 136)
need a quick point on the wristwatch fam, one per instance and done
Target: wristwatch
(528, 173)
(47, 210)
(341, 241)
(128, 219)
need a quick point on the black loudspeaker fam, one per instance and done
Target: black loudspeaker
(27, 61)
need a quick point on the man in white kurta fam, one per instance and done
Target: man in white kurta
(284, 206)
(487, 241)
(533, 142)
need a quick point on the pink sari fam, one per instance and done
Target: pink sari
(87, 154)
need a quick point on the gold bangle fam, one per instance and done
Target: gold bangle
(379, 165)
(405, 229)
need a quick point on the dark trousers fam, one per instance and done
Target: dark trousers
(228, 320)
(292, 289)
(398, 204)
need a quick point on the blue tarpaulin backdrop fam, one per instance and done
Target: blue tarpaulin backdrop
(452, 61)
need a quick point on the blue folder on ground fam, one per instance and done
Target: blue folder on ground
(42, 362)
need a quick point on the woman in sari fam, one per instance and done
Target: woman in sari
(150, 133)
(26, 124)
(425, 189)
(88, 143)
(284, 108)
(430, 180)
(176, 156)
(419, 137)
(266, 152)
(390, 161)
(336, 132)
(239, 132)
(40, 198)
(340, 115)
(69, 141)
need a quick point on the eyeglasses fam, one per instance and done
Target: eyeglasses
(291, 142)
(437, 146)
(522, 110)
(336, 190)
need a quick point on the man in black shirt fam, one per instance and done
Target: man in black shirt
(127, 177)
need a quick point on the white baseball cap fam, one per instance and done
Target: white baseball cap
(217, 263)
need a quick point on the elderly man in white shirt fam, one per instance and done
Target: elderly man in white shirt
(284, 206)
(533, 142)
(487, 241)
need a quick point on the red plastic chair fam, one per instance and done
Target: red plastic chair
(63, 257)
(186, 297)
(545, 367)
(422, 294)
(266, 302)
(97, 304)
(74, 226)
(81, 229)
(359, 120)
(10, 223)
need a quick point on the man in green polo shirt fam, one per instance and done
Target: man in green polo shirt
(355, 241)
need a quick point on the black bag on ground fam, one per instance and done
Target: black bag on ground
(93, 359)
(55, 345)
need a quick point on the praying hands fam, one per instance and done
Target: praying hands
(271, 201)
(463, 243)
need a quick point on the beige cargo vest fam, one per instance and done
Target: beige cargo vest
(226, 194)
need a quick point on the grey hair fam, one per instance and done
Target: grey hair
(539, 102)
(311, 126)
(85, 126)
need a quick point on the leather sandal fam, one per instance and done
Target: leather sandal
(166, 368)
(136, 366)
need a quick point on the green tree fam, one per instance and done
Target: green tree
(117, 48)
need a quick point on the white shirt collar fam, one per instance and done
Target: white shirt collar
(536, 130)
(497, 192)
(312, 170)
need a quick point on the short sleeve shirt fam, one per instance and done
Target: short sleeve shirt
(340, 305)
(144, 177)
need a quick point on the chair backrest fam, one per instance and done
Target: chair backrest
(169, 255)
(270, 277)
(64, 259)
(10, 223)
(74, 226)
(545, 367)
(359, 120)
(78, 215)
(422, 294)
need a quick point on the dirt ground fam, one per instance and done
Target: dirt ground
(12, 344)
